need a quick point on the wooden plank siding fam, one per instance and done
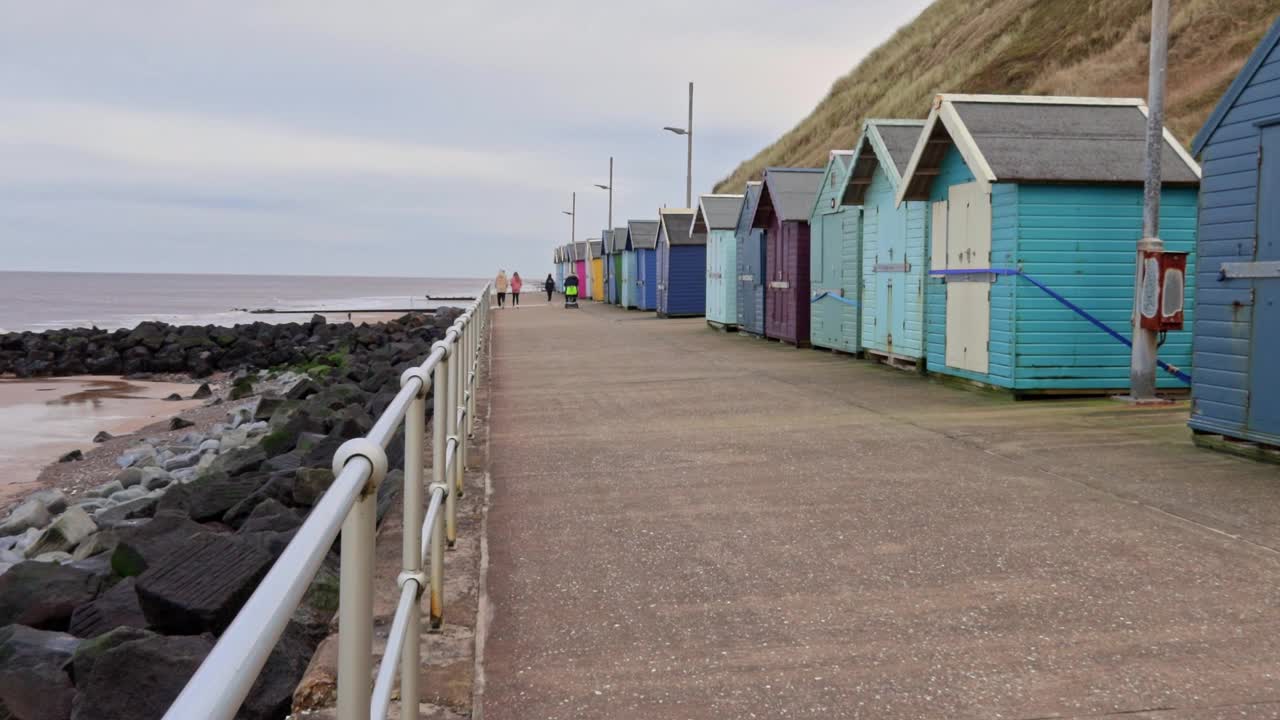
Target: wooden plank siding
(752, 272)
(835, 264)
(1223, 343)
(787, 260)
(722, 277)
(885, 226)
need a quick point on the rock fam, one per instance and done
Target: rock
(200, 584)
(99, 542)
(310, 483)
(53, 556)
(89, 650)
(154, 478)
(210, 445)
(288, 462)
(272, 694)
(241, 388)
(266, 407)
(143, 506)
(234, 438)
(139, 678)
(257, 427)
(73, 456)
(54, 500)
(30, 514)
(33, 684)
(388, 491)
(115, 608)
(106, 489)
(65, 533)
(177, 462)
(92, 504)
(212, 495)
(177, 423)
(173, 397)
(103, 436)
(303, 389)
(202, 392)
(143, 545)
(240, 460)
(278, 487)
(136, 455)
(129, 477)
(26, 538)
(128, 494)
(271, 516)
(308, 440)
(43, 595)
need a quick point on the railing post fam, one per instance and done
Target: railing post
(451, 425)
(355, 585)
(460, 404)
(439, 443)
(415, 420)
(474, 381)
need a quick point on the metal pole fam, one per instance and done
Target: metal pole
(688, 178)
(439, 441)
(610, 225)
(1142, 364)
(573, 217)
(451, 429)
(355, 610)
(415, 421)
(459, 431)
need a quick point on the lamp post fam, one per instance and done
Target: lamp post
(687, 131)
(572, 212)
(609, 187)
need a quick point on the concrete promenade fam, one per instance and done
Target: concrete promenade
(688, 524)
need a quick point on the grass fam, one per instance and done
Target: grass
(1041, 47)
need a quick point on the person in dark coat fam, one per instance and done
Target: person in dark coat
(549, 285)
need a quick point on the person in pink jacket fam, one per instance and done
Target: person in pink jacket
(516, 284)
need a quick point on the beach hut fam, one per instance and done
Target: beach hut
(615, 269)
(751, 269)
(717, 219)
(595, 269)
(835, 259)
(682, 265)
(1035, 209)
(557, 267)
(783, 213)
(606, 243)
(1235, 390)
(579, 268)
(642, 238)
(627, 289)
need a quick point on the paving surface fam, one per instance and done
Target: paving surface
(688, 524)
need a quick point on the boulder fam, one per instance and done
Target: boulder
(139, 507)
(92, 504)
(278, 487)
(103, 436)
(99, 542)
(143, 454)
(200, 584)
(115, 608)
(73, 456)
(93, 647)
(53, 556)
(202, 392)
(310, 483)
(141, 546)
(173, 397)
(272, 694)
(177, 423)
(65, 533)
(128, 494)
(271, 515)
(185, 460)
(210, 445)
(54, 500)
(240, 460)
(30, 513)
(139, 678)
(154, 478)
(304, 388)
(43, 595)
(105, 490)
(288, 462)
(33, 684)
(210, 496)
(129, 477)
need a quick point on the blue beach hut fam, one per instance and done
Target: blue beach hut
(751, 264)
(561, 255)
(1035, 209)
(835, 260)
(682, 265)
(1235, 390)
(642, 238)
(717, 219)
(606, 242)
(615, 266)
(627, 289)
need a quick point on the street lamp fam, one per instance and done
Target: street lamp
(609, 187)
(573, 215)
(687, 131)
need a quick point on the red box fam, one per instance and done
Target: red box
(1161, 298)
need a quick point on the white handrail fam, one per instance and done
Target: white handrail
(221, 683)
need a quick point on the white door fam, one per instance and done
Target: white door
(967, 247)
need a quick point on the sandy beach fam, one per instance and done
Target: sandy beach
(42, 419)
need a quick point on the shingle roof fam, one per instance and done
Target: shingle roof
(619, 239)
(642, 234)
(676, 223)
(596, 248)
(717, 212)
(749, 206)
(900, 140)
(788, 193)
(579, 251)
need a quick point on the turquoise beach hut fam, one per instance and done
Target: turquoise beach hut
(717, 219)
(561, 264)
(615, 267)
(606, 250)
(1035, 209)
(835, 260)
(627, 286)
(751, 265)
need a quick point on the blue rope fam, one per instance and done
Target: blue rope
(1172, 370)
(827, 293)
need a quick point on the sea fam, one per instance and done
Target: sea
(43, 300)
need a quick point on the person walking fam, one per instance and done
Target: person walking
(549, 285)
(516, 284)
(500, 283)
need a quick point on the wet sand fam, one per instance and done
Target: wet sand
(40, 420)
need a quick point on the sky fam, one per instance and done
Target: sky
(385, 137)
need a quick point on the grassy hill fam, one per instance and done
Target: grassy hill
(1042, 47)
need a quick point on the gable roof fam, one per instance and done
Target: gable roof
(749, 202)
(885, 144)
(619, 239)
(1015, 138)
(675, 224)
(833, 176)
(1237, 87)
(579, 251)
(606, 237)
(642, 234)
(594, 248)
(717, 212)
(787, 192)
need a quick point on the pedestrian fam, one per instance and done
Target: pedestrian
(500, 283)
(549, 285)
(516, 284)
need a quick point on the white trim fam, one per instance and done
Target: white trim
(882, 152)
(967, 146)
(826, 173)
(1173, 142)
(1039, 99)
(921, 143)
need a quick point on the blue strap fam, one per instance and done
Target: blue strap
(838, 298)
(1172, 370)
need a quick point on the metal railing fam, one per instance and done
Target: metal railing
(220, 685)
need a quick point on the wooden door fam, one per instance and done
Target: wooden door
(1264, 387)
(968, 247)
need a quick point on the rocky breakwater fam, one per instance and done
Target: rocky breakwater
(111, 598)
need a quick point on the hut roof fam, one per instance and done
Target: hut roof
(749, 202)
(1014, 138)
(883, 143)
(642, 234)
(717, 212)
(594, 248)
(1238, 86)
(788, 193)
(606, 237)
(619, 239)
(675, 226)
(579, 250)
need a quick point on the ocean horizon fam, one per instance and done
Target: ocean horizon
(36, 301)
